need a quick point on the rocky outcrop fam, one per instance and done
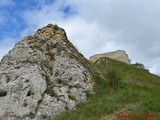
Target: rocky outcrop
(42, 76)
(139, 65)
(119, 55)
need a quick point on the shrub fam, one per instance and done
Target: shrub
(72, 97)
(50, 91)
(114, 79)
(55, 27)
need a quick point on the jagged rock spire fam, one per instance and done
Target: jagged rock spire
(52, 31)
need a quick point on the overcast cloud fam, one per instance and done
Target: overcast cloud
(99, 26)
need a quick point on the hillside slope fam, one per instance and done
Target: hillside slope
(120, 88)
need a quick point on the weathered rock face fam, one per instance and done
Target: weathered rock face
(139, 65)
(42, 76)
(119, 55)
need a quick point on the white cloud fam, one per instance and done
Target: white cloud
(4, 3)
(155, 69)
(106, 25)
(6, 45)
(1, 19)
(88, 36)
(4, 13)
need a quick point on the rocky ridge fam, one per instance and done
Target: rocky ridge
(42, 76)
(119, 55)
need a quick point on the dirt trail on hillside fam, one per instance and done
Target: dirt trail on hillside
(123, 110)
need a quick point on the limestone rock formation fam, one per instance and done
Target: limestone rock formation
(139, 65)
(42, 76)
(119, 55)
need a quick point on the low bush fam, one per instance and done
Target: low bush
(114, 79)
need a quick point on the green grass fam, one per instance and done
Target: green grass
(135, 86)
(100, 102)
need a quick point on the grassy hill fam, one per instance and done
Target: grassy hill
(119, 88)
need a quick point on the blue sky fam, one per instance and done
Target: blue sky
(12, 15)
(14, 25)
(93, 26)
